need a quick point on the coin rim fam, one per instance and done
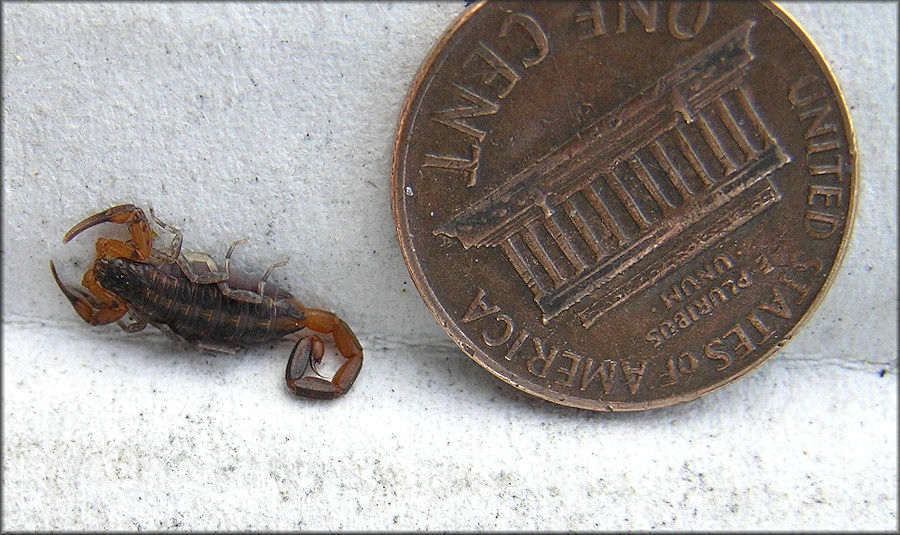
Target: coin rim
(410, 255)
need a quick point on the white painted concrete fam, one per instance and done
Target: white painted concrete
(276, 122)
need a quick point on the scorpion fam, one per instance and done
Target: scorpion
(187, 297)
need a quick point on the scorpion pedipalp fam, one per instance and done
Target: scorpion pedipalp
(99, 307)
(127, 214)
(81, 301)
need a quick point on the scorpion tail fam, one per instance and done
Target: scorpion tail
(309, 350)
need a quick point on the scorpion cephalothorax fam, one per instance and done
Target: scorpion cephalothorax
(187, 296)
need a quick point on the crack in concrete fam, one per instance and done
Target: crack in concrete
(382, 344)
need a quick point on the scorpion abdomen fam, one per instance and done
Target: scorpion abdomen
(162, 294)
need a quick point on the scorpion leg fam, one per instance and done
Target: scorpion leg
(245, 295)
(261, 289)
(241, 295)
(170, 334)
(126, 214)
(177, 237)
(309, 351)
(230, 252)
(188, 263)
(196, 345)
(97, 308)
(138, 324)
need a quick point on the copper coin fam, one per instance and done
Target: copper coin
(623, 205)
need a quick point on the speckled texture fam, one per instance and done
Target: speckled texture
(276, 122)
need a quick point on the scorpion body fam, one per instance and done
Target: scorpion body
(199, 313)
(188, 298)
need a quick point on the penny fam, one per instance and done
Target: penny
(623, 205)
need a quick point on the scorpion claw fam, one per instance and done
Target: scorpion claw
(98, 308)
(113, 215)
(79, 300)
(127, 214)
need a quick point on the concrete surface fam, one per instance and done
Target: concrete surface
(276, 122)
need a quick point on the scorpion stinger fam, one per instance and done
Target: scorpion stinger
(177, 237)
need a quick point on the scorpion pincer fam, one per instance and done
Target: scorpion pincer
(188, 298)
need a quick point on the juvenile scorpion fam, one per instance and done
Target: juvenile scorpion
(187, 297)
